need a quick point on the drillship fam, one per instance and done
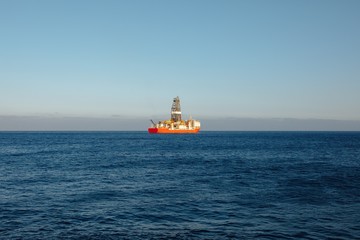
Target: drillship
(175, 124)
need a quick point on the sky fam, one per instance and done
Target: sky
(66, 63)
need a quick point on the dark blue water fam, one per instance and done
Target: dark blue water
(213, 185)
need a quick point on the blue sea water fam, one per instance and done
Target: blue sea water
(212, 185)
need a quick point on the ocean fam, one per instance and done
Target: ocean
(212, 185)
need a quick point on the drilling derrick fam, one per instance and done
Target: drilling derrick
(176, 110)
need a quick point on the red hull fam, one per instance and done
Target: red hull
(169, 131)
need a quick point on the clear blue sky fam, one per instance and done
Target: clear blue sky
(255, 59)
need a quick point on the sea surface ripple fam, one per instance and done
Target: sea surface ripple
(212, 185)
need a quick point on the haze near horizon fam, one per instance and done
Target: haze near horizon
(236, 65)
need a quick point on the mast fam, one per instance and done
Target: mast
(176, 110)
